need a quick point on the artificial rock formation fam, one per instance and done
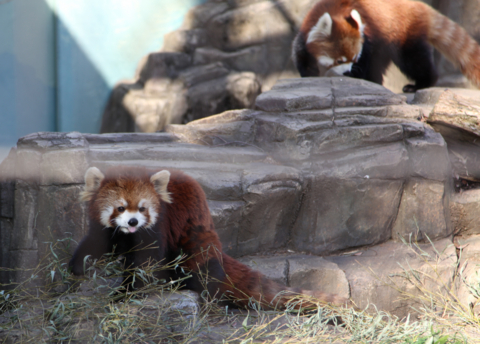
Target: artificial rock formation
(375, 275)
(455, 113)
(225, 54)
(318, 167)
(368, 169)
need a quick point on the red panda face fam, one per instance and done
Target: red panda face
(128, 213)
(336, 43)
(127, 203)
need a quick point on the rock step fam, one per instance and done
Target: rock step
(317, 181)
(371, 276)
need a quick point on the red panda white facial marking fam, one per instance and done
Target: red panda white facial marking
(105, 215)
(138, 211)
(128, 204)
(131, 215)
(356, 16)
(93, 178)
(325, 61)
(321, 30)
(130, 221)
(160, 182)
(334, 56)
(339, 69)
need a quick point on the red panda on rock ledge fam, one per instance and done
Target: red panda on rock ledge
(131, 209)
(360, 38)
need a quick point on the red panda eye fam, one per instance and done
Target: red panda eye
(141, 209)
(121, 209)
(339, 61)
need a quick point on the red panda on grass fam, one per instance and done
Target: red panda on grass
(134, 209)
(360, 38)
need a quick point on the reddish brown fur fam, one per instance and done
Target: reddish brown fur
(342, 42)
(395, 22)
(185, 225)
(242, 283)
(131, 189)
(392, 21)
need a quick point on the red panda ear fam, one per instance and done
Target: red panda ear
(160, 182)
(322, 29)
(93, 178)
(355, 20)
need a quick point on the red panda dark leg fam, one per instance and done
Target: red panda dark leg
(210, 277)
(415, 60)
(204, 258)
(95, 244)
(373, 62)
(145, 250)
(304, 61)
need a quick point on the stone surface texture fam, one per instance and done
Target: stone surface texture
(373, 276)
(225, 54)
(302, 271)
(455, 113)
(469, 247)
(380, 275)
(465, 207)
(318, 166)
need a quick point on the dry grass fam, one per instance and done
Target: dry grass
(52, 306)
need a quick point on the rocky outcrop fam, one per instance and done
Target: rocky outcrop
(171, 90)
(302, 271)
(468, 267)
(455, 113)
(371, 170)
(224, 55)
(319, 166)
(378, 276)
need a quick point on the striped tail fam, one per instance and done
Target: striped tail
(245, 285)
(455, 44)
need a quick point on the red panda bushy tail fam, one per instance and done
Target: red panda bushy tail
(245, 284)
(456, 44)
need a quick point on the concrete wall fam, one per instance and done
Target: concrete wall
(27, 70)
(60, 59)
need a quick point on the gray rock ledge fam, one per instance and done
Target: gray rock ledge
(319, 166)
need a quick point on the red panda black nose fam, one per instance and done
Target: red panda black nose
(133, 222)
